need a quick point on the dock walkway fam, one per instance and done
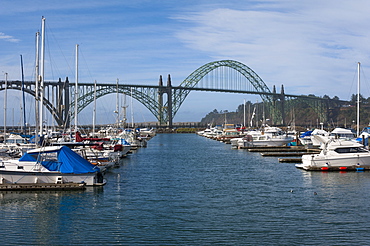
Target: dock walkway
(294, 153)
(43, 186)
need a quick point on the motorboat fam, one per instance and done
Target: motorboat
(305, 138)
(337, 133)
(269, 136)
(50, 165)
(320, 132)
(146, 132)
(227, 135)
(363, 137)
(337, 154)
(16, 145)
(112, 147)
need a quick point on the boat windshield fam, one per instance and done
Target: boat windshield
(350, 150)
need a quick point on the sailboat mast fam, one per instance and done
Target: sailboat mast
(117, 103)
(42, 73)
(132, 110)
(244, 114)
(23, 99)
(94, 111)
(358, 99)
(37, 77)
(5, 100)
(76, 90)
(124, 107)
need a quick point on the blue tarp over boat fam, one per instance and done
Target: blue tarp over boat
(67, 161)
(306, 134)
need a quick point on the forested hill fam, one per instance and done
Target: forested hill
(339, 115)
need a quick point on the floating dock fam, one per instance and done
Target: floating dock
(293, 153)
(42, 186)
(282, 149)
(290, 160)
(259, 148)
(282, 154)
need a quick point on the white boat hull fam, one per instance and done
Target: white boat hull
(342, 162)
(27, 177)
(265, 143)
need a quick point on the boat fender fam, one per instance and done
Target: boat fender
(117, 147)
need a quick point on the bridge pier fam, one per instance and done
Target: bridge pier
(160, 102)
(165, 119)
(169, 101)
(66, 115)
(282, 98)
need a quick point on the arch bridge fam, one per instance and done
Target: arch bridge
(164, 101)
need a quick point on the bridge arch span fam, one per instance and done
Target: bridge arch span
(195, 77)
(49, 106)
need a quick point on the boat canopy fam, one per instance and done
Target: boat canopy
(62, 160)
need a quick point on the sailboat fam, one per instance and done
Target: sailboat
(50, 166)
(337, 153)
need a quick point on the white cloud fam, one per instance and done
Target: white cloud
(8, 38)
(310, 45)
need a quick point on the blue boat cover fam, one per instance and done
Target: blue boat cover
(361, 141)
(68, 161)
(306, 134)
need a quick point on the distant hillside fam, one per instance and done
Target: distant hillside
(339, 115)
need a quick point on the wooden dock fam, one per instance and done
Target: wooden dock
(42, 186)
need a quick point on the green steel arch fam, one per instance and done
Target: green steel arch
(146, 96)
(49, 106)
(193, 79)
(149, 95)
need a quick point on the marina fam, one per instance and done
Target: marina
(161, 195)
(82, 165)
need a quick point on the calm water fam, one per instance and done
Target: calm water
(188, 190)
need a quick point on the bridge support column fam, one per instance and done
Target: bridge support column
(274, 107)
(160, 102)
(282, 105)
(59, 94)
(66, 117)
(169, 101)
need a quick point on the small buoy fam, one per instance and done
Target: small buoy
(342, 168)
(291, 191)
(360, 169)
(324, 168)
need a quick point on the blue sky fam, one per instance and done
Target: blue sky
(309, 46)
